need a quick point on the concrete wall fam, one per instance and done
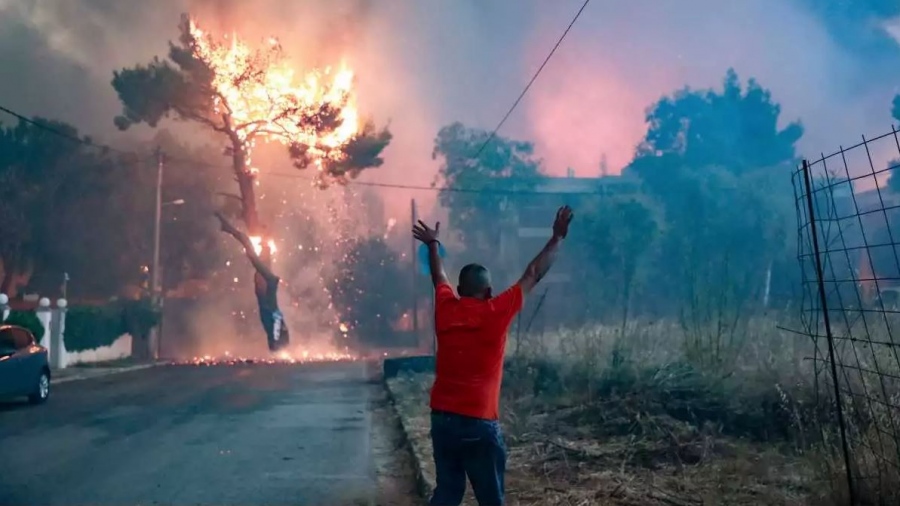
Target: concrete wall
(53, 319)
(119, 349)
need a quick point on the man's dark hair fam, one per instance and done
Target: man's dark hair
(474, 281)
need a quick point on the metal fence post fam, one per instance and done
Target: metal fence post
(829, 336)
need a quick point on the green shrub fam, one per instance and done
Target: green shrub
(140, 317)
(28, 320)
(90, 327)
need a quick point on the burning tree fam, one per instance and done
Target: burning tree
(248, 95)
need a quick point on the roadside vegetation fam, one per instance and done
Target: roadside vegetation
(663, 375)
(643, 416)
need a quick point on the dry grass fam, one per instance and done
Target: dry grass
(868, 367)
(650, 415)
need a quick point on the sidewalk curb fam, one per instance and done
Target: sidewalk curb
(424, 483)
(108, 372)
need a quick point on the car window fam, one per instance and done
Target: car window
(22, 338)
(7, 340)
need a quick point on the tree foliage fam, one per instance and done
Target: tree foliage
(56, 197)
(56, 194)
(504, 167)
(28, 320)
(716, 164)
(226, 97)
(713, 214)
(611, 242)
(734, 128)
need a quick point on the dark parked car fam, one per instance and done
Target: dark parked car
(24, 367)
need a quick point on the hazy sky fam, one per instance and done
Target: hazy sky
(422, 64)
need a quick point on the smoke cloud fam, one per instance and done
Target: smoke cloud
(424, 64)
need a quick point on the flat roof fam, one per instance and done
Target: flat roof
(581, 184)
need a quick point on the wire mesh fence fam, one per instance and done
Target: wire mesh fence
(848, 205)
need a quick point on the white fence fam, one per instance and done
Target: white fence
(53, 319)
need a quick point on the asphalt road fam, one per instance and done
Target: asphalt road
(220, 435)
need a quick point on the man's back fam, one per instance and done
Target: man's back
(471, 335)
(471, 332)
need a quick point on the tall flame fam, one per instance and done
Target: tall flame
(256, 88)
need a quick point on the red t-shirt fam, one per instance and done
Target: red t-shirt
(471, 340)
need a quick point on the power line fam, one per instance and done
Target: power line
(450, 189)
(493, 135)
(533, 79)
(438, 188)
(60, 133)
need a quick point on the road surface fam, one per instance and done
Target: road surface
(313, 435)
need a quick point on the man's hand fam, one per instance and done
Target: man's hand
(561, 223)
(539, 267)
(427, 235)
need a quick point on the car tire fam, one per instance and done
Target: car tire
(41, 389)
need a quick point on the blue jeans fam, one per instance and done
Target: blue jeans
(472, 447)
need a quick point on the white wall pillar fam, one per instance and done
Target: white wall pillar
(60, 358)
(43, 314)
(4, 306)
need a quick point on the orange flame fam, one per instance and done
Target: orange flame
(257, 244)
(257, 90)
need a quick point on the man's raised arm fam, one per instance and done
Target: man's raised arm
(429, 237)
(541, 264)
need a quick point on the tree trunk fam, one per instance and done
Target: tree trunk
(246, 183)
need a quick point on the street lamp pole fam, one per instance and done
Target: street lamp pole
(155, 299)
(155, 278)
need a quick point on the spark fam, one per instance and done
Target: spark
(390, 226)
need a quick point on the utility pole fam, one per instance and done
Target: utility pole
(414, 258)
(155, 279)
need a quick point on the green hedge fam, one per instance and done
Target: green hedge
(29, 320)
(140, 317)
(91, 327)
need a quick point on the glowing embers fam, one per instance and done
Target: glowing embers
(282, 357)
